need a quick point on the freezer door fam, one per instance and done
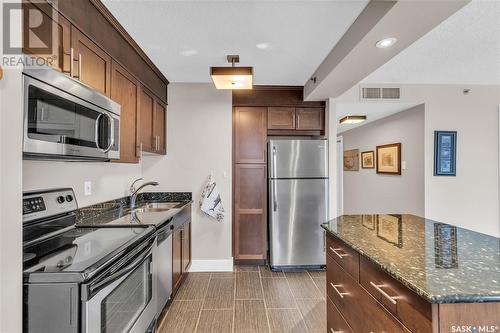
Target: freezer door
(297, 208)
(298, 158)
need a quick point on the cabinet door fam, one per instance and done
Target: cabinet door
(146, 116)
(310, 118)
(250, 131)
(250, 201)
(159, 131)
(51, 28)
(176, 259)
(281, 118)
(125, 91)
(92, 65)
(186, 246)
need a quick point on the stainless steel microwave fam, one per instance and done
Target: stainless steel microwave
(65, 119)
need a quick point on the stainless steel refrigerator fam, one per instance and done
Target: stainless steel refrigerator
(298, 202)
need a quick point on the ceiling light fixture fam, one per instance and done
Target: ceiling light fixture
(232, 77)
(386, 42)
(352, 119)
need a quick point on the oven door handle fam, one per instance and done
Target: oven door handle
(93, 289)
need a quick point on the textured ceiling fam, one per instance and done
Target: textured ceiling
(464, 49)
(185, 38)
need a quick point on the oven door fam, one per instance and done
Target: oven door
(60, 125)
(122, 300)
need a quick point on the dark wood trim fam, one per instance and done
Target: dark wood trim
(293, 133)
(114, 22)
(273, 96)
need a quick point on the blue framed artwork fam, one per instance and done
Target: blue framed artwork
(445, 153)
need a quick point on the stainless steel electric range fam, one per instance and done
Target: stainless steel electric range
(84, 279)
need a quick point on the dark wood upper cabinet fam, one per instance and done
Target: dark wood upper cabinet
(125, 91)
(146, 116)
(310, 118)
(250, 204)
(250, 134)
(91, 65)
(54, 30)
(281, 118)
(159, 128)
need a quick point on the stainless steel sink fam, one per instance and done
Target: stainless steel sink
(155, 207)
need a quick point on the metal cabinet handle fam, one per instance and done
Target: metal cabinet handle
(340, 255)
(71, 56)
(335, 286)
(331, 330)
(386, 295)
(79, 66)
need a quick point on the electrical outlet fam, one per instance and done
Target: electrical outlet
(87, 187)
(403, 165)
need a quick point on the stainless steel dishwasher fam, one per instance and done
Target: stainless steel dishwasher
(164, 265)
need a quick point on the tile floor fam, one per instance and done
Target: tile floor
(250, 300)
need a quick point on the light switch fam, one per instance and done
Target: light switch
(403, 165)
(87, 187)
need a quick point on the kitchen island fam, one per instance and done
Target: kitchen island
(404, 273)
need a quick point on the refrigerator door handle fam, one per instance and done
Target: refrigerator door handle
(275, 189)
(274, 163)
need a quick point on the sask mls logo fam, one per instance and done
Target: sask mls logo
(474, 328)
(37, 28)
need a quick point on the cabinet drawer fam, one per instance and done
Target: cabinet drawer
(344, 255)
(411, 309)
(334, 320)
(361, 311)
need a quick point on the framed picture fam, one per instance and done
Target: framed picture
(368, 221)
(390, 229)
(351, 160)
(445, 153)
(368, 159)
(389, 159)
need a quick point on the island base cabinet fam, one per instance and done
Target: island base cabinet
(360, 309)
(334, 320)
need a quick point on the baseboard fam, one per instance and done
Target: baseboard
(224, 265)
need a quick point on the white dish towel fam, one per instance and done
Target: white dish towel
(210, 202)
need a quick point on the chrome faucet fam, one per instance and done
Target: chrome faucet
(134, 191)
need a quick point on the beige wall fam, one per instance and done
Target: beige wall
(199, 122)
(109, 180)
(470, 199)
(365, 191)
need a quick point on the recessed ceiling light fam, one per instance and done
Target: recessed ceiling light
(352, 119)
(262, 46)
(386, 42)
(188, 53)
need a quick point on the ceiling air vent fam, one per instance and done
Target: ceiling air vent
(380, 93)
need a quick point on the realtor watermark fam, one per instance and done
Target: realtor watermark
(29, 34)
(474, 329)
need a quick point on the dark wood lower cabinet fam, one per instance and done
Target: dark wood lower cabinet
(181, 247)
(373, 301)
(176, 259)
(250, 216)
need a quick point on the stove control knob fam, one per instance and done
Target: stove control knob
(60, 199)
(69, 198)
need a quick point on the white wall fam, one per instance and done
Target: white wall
(10, 196)
(365, 191)
(331, 133)
(109, 180)
(199, 129)
(470, 199)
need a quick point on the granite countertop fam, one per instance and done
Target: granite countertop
(440, 262)
(116, 213)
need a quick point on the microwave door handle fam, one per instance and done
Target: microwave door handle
(98, 119)
(112, 136)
